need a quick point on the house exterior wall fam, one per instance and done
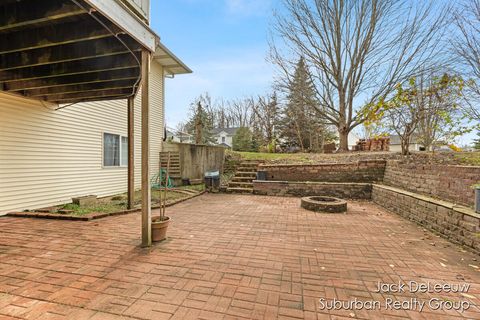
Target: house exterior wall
(47, 157)
(228, 139)
(398, 148)
(141, 7)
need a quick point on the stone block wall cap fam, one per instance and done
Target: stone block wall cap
(466, 211)
(313, 182)
(442, 203)
(273, 165)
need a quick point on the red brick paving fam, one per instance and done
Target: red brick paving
(227, 257)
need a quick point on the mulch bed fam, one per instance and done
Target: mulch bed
(90, 216)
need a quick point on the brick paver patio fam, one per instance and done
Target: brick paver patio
(228, 257)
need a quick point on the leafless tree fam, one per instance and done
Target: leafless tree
(241, 111)
(467, 49)
(357, 50)
(266, 113)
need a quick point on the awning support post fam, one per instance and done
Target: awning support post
(146, 192)
(131, 157)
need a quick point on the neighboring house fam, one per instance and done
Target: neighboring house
(53, 145)
(182, 137)
(396, 146)
(353, 138)
(224, 136)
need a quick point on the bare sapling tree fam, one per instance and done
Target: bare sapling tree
(441, 119)
(357, 51)
(403, 114)
(266, 115)
(466, 48)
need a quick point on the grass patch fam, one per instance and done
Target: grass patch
(196, 187)
(100, 207)
(301, 157)
(468, 158)
(156, 195)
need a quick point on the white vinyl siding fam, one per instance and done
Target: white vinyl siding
(47, 157)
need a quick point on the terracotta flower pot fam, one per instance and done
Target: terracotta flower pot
(159, 228)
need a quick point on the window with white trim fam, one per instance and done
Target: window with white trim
(115, 150)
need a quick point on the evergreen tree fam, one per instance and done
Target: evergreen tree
(200, 124)
(243, 140)
(301, 126)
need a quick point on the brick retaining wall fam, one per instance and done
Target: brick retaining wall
(457, 223)
(302, 189)
(360, 172)
(452, 183)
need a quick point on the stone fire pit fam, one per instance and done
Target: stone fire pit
(324, 204)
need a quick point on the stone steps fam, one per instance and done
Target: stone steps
(241, 179)
(242, 182)
(246, 174)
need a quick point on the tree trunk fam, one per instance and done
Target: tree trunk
(405, 143)
(343, 136)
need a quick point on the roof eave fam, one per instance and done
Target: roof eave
(172, 64)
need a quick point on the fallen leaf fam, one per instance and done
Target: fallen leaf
(466, 295)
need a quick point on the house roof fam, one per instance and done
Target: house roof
(224, 145)
(228, 131)
(172, 64)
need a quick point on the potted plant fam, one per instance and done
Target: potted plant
(160, 223)
(477, 197)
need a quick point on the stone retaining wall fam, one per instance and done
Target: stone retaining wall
(301, 189)
(448, 182)
(359, 172)
(457, 223)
